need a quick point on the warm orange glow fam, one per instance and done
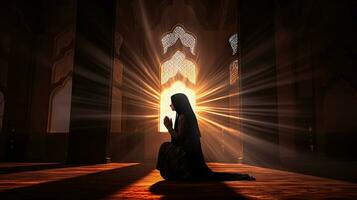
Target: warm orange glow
(165, 110)
(178, 64)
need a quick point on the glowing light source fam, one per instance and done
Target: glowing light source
(179, 33)
(178, 64)
(165, 110)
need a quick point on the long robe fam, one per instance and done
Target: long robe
(182, 158)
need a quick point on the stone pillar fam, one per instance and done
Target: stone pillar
(258, 83)
(92, 76)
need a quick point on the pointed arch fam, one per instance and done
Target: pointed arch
(187, 39)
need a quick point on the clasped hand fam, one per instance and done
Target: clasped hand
(168, 123)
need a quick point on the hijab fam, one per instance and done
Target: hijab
(183, 106)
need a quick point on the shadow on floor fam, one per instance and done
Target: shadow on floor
(92, 186)
(338, 170)
(172, 190)
(34, 167)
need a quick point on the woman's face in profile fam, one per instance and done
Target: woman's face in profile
(172, 107)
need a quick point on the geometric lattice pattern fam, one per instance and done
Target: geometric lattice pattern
(179, 33)
(178, 64)
(233, 40)
(233, 69)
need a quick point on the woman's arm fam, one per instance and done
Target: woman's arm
(181, 128)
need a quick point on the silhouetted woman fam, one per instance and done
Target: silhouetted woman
(182, 158)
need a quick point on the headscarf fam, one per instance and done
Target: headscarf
(183, 106)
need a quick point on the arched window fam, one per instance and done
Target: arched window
(233, 67)
(178, 32)
(178, 74)
(178, 64)
(61, 94)
(233, 72)
(117, 96)
(233, 40)
(60, 108)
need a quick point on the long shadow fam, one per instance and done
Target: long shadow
(175, 190)
(92, 186)
(34, 167)
(323, 169)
